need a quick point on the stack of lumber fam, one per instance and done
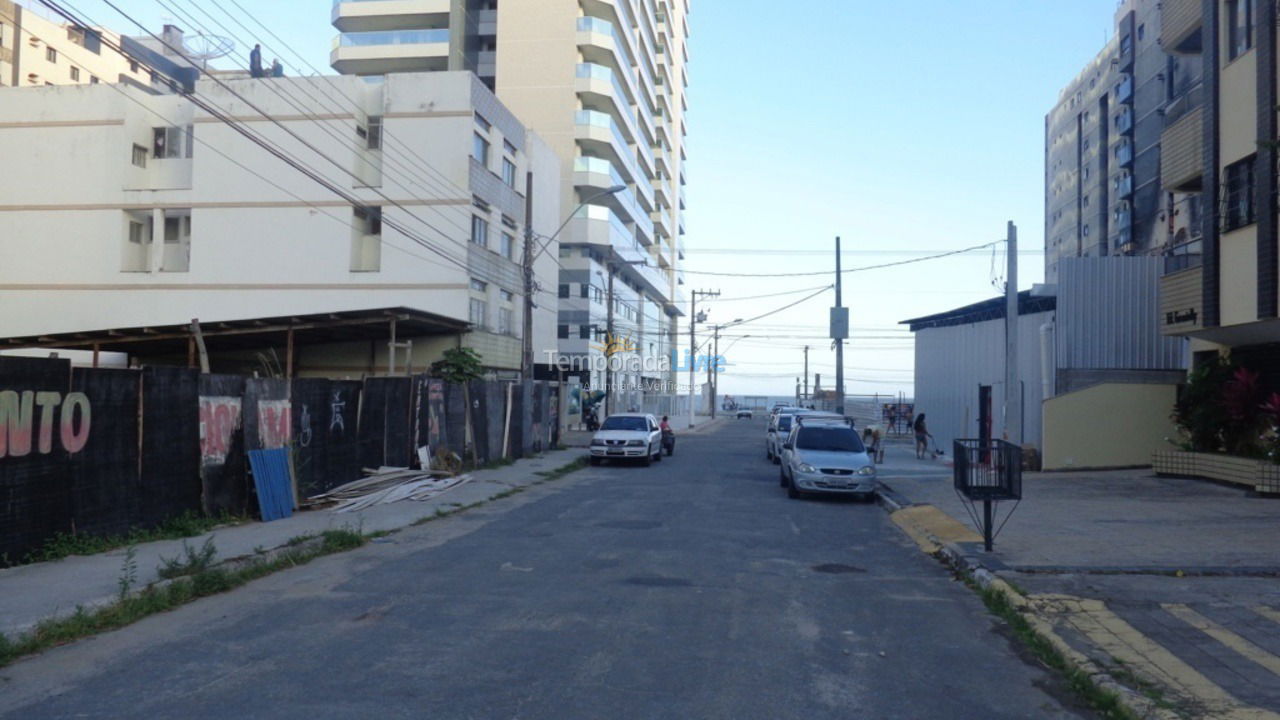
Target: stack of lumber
(388, 485)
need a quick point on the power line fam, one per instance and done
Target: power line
(849, 270)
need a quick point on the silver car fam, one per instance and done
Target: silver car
(825, 455)
(627, 436)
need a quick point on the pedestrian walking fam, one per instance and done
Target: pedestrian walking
(922, 436)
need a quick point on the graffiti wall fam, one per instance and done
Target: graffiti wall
(102, 451)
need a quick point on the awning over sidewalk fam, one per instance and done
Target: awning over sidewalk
(251, 333)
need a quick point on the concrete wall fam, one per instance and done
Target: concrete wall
(1111, 425)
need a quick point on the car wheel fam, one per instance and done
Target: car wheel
(658, 455)
(792, 492)
(782, 478)
(647, 461)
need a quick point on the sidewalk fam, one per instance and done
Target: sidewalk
(1170, 585)
(31, 593)
(582, 438)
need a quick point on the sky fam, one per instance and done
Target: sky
(907, 129)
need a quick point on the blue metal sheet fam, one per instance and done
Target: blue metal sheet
(273, 480)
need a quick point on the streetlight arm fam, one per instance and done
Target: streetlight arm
(611, 191)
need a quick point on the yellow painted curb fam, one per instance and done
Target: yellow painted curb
(931, 528)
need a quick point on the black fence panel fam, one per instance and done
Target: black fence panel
(386, 429)
(106, 487)
(35, 476)
(552, 397)
(496, 415)
(268, 420)
(326, 438)
(521, 412)
(455, 419)
(170, 444)
(223, 464)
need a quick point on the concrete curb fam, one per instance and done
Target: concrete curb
(975, 569)
(476, 492)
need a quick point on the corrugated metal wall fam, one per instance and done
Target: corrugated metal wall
(1109, 316)
(951, 362)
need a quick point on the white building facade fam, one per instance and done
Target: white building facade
(128, 214)
(605, 83)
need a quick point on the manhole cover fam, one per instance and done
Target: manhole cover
(837, 569)
(658, 582)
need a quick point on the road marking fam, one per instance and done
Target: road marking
(1269, 613)
(1224, 636)
(1120, 640)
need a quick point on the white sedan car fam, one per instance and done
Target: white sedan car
(627, 436)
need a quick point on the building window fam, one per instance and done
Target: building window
(139, 156)
(506, 295)
(564, 291)
(93, 79)
(75, 74)
(177, 243)
(1239, 27)
(133, 66)
(136, 251)
(1238, 207)
(504, 321)
(480, 149)
(508, 246)
(366, 239)
(482, 123)
(171, 142)
(1085, 231)
(374, 139)
(479, 313)
(1085, 201)
(584, 332)
(562, 332)
(586, 291)
(479, 231)
(51, 55)
(508, 172)
(479, 285)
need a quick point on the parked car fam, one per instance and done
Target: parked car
(744, 413)
(825, 455)
(780, 426)
(627, 436)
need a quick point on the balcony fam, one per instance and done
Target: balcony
(1124, 155)
(599, 88)
(592, 175)
(371, 15)
(1124, 187)
(1182, 144)
(1180, 24)
(1182, 294)
(600, 135)
(390, 51)
(1124, 89)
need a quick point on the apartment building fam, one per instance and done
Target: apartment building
(38, 51)
(154, 212)
(1103, 194)
(1220, 286)
(604, 82)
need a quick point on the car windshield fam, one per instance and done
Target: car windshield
(829, 439)
(784, 423)
(625, 423)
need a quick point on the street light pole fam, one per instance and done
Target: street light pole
(693, 342)
(529, 257)
(713, 367)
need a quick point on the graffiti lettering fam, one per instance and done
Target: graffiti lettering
(304, 434)
(274, 425)
(219, 420)
(18, 425)
(335, 413)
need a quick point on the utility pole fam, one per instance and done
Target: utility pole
(693, 341)
(526, 355)
(806, 373)
(839, 331)
(609, 344)
(1012, 386)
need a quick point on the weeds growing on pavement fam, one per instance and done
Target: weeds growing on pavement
(132, 607)
(1107, 703)
(191, 562)
(186, 525)
(128, 572)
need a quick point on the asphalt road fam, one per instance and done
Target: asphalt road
(691, 589)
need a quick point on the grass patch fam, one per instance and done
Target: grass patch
(1104, 701)
(572, 467)
(157, 599)
(190, 562)
(186, 525)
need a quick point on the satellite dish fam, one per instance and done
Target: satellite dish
(203, 47)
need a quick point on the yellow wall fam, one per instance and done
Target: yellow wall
(1110, 425)
(1238, 132)
(1239, 289)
